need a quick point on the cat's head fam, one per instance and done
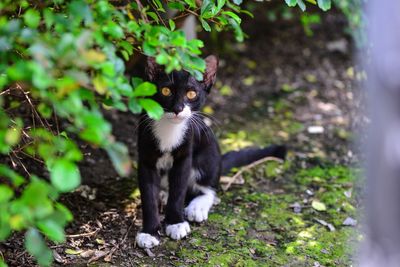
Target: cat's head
(179, 93)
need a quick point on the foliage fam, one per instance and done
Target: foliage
(61, 62)
(323, 4)
(353, 10)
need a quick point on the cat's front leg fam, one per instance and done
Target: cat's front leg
(149, 186)
(177, 228)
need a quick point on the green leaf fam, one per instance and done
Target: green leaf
(176, 5)
(159, 5)
(64, 175)
(205, 25)
(291, 2)
(162, 59)
(191, 3)
(148, 49)
(48, 17)
(220, 4)
(96, 128)
(32, 18)
(36, 246)
(3, 264)
(134, 106)
(145, 89)
(52, 230)
(113, 29)
(119, 156)
(5, 193)
(317, 205)
(136, 81)
(233, 16)
(72, 251)
(13, 136)
(178, 38)
(153, 16)
(301, 4)
(5, 229)
(14, 177)
(171, 24)
(324, 4)
(153, 109)
(64, 211)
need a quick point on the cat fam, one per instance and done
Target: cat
(180, 155)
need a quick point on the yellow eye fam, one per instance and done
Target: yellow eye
(191, 94)
(166, 91)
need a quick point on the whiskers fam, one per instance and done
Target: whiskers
(197, 124)
(146, 121)
(216, 122)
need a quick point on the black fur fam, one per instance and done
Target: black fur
(199, 149)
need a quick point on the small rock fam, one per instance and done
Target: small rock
(324, 223)
(309, 192)
(340, 45)
(296, 207)
(348, 193)
(58, 257)
(324, 251)
(349, 222)
(315, 129)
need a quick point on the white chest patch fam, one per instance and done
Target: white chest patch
(170, 131)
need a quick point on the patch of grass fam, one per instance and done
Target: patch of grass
(255, 228)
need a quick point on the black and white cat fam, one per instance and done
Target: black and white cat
(180, 155)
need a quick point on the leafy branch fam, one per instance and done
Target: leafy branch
(61, 63)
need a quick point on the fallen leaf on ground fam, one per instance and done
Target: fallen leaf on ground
(87, 253)
(73, 252)
(317, 205)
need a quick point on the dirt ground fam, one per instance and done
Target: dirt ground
(279, 86)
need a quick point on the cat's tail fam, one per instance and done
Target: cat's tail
(249, 155)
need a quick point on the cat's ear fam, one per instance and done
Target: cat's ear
(210, 73)
(152, 68)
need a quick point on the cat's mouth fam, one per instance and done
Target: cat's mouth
(175, 118)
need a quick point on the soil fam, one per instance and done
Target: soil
(279, 86)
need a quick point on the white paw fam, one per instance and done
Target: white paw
(178, 231)
(198, 208)
(146, 240)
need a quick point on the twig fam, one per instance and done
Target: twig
(248, 167)
(56, 121)
(5, 92)
(158, 14)
(140, 6)
(107, 256)
(20, 162)
(84, 234)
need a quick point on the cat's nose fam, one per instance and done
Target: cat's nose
(177, 109)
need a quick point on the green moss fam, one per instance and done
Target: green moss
(263, 228)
